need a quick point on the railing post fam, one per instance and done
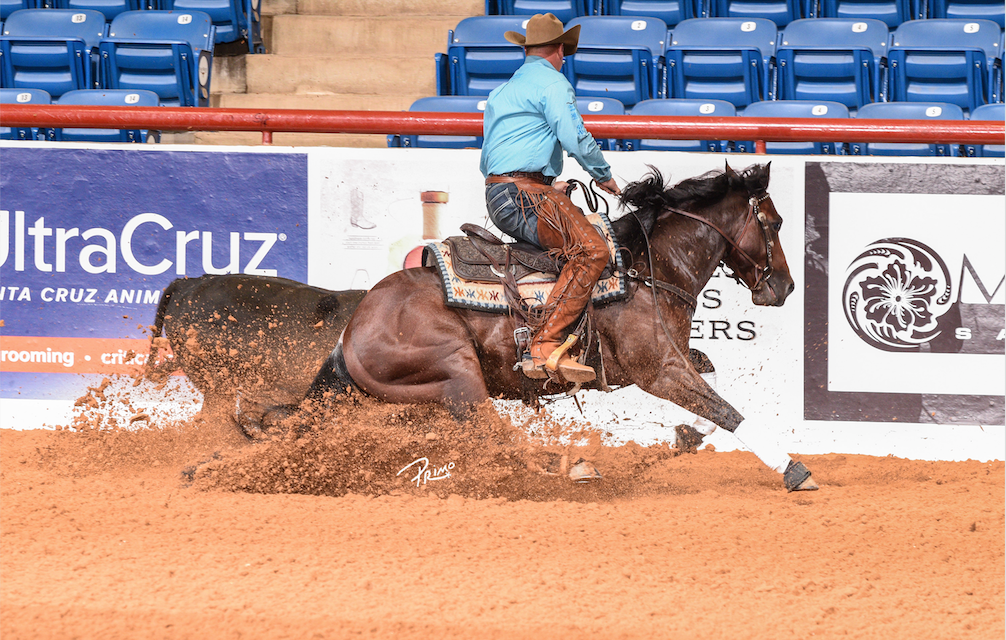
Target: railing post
(760, 147)
(267, 137)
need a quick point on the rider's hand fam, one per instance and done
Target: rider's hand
(560, 186)
(610, 187)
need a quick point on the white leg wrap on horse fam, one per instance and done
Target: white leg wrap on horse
(703, 426)
(763, 444)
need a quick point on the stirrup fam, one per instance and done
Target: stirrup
(553, 360)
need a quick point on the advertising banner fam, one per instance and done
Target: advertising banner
(90, 237)
(907, 299)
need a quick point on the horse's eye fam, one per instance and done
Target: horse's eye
(777, 226)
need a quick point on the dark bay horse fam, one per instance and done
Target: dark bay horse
(404, 345)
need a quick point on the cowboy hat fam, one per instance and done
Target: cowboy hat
(545, 29)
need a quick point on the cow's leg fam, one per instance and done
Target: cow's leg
(686, 387)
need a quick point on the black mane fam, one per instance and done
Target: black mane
(649, 197)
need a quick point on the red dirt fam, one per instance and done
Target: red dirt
(315, 537)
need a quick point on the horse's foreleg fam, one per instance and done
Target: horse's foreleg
(692, 391)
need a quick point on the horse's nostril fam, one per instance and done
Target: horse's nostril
(790, 288)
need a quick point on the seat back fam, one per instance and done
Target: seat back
(228, 16)
(722, 58)
(835, 59)
(479, 57)
(442, 104)
(781, 12)
(681, 107)
(8, 7)
(796, 109)
(50, 49)
(618, 57)
(907, 111)
(23, 96)
(565, 10)
(993, 10)
(890, 12)
(945, 61)
(602, 107)
(670, 11)
(106, 97)
(167, 52)
(987, 112)
(108, 8)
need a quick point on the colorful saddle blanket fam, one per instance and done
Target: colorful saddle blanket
(466, 287)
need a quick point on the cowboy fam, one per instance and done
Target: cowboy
(528, 123)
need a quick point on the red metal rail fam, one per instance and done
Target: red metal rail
(415, 123)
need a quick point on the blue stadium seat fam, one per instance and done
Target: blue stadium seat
(8, 7)
(670, 11)
(795, 109)
(618, 57)
(50, 49)
(993, 10)
(602, 107)
(681, 107)
(781, 12)
(907, 111)
(987, 112)
(478, 57)
(832, 59)
(722, 58)
(108, 98)
(442, 104)
(23, 96)
(565, 10)
(167, 52)
(945, 61)
(230, 17)
(108, 8)
(890, 12)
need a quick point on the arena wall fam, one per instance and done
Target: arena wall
(90, 236)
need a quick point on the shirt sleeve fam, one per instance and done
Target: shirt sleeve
(560, 111)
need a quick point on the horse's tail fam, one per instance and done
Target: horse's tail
(333, 377)
(157, 341)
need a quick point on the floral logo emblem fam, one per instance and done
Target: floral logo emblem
(895, 292)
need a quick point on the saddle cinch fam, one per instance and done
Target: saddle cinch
(472, 269)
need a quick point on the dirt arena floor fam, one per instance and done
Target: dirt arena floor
(317, 535)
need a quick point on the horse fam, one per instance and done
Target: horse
(403, 345)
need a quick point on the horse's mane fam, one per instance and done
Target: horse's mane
(649, 197)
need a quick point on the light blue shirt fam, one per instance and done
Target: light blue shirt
(530, 120)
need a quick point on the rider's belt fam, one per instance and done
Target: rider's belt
(537, 176)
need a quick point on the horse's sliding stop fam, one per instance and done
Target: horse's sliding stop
(417, 337)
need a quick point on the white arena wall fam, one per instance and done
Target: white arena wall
(91, 234)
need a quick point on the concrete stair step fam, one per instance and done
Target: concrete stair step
(381, 37)
(332, 102)
(387, 7)
(254, 138)
(277, 74)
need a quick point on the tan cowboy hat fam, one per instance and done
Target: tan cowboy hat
(546, 29)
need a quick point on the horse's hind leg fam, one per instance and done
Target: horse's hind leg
(691, 391)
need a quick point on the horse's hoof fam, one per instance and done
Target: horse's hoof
(687, 438)
(797, 478)
(583, 472)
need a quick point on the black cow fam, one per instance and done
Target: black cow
(247, 342)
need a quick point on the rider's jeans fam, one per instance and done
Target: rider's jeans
(503, 201)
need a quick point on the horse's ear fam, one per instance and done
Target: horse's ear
(768, 166)
(728, 171)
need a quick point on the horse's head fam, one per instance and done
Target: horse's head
(758, 259)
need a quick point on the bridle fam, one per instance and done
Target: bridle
(754, 212)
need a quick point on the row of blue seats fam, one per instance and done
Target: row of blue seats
(719, 108)
(110, 97)
(60, 50)
(782, 12)
(233, 19)
(742, 61)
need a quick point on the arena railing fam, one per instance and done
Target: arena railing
(269, 121)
